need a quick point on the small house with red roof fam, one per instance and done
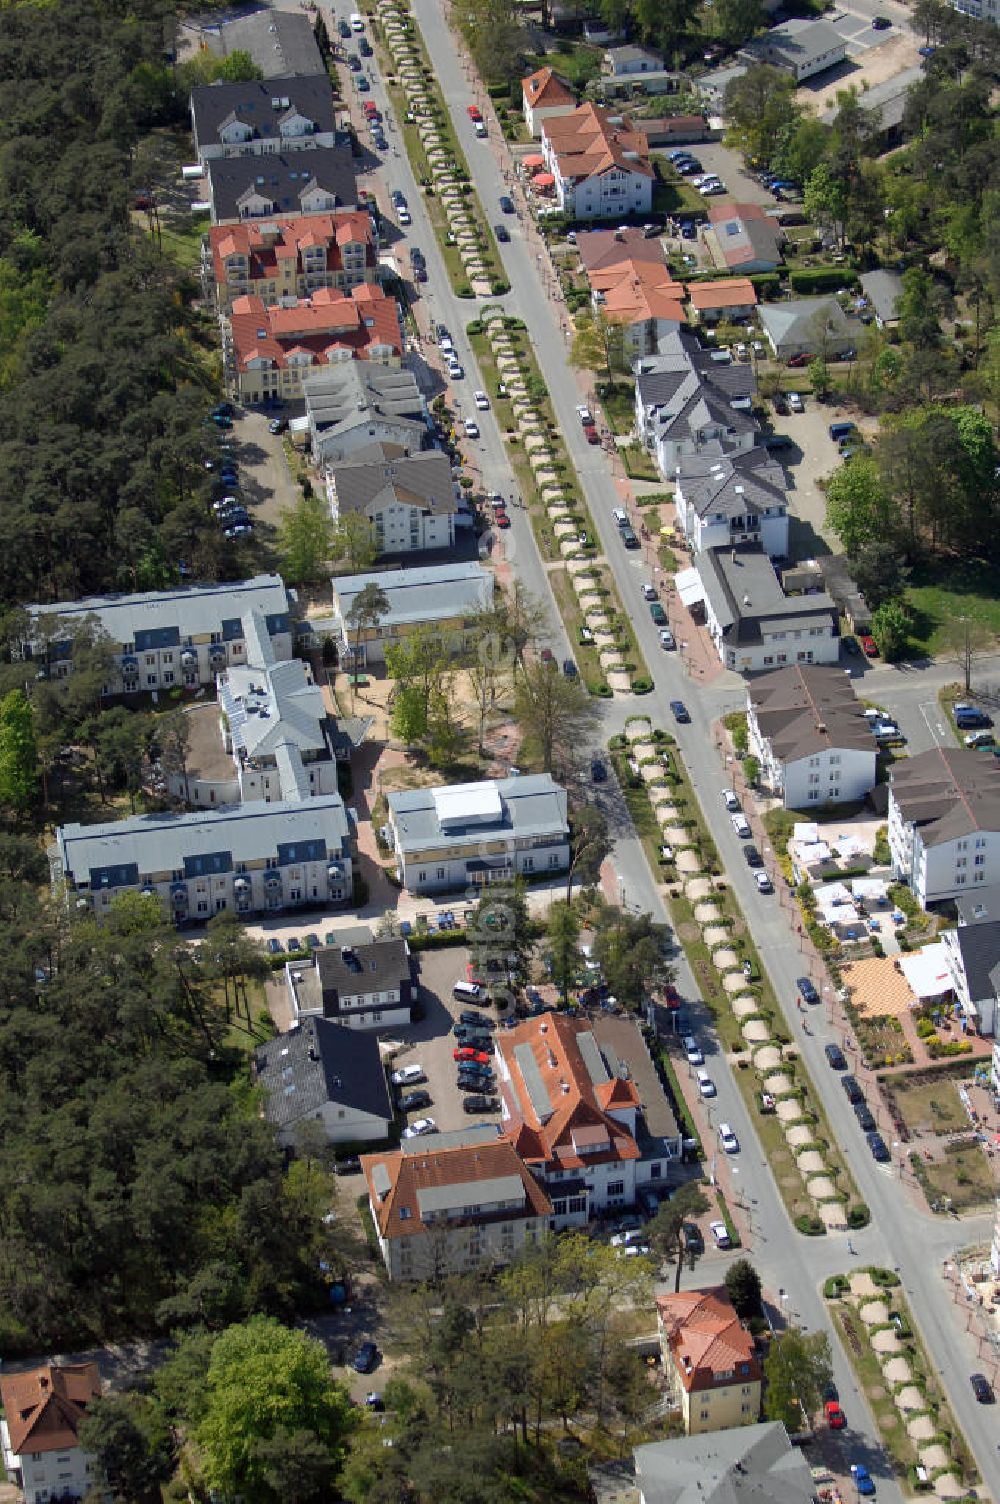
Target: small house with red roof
(275, 346)
(39, 1431)
(572, 1111)
(709, 1359)
(545, 95)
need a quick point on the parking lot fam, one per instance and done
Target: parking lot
(728, 165)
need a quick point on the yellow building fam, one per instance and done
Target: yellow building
(709, 1360)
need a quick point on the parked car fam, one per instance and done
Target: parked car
(480, 1104)
(477, 1020)
(481, 400)
(852, 1090)
(365, 1358)
(277, 425)
(764, 883)
(667, 639)
(796, 403)
(835, 1417)
(706, 1085)
(835, 1056)
(720, 1234)
(880, 23)
(752, 857)
(506, 204)
(862, 1478)
(865, 1117)
(730, 800)
(349, 1165)
(694, 1240)
(693, 1050)
(274, 946)
(868, 645)
(982, 1388)
(680, 712)
(408, 1074)
(741, 825)
(658, 614)
(628, 537)
(410, 1101)
(474, 112)
(879, 1148)
(728, 1139)
(365, 47)
(807, 990)
(420, 1128)
(471, 428)
(502, 233)
(467, 1053)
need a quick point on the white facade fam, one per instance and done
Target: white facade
(769, 527)
(838, 775)
(607, 195)
(981, 1009)
(946, 869)
(45, 1476)
(443, 1248)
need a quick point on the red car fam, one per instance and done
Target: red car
(593, 437)
(835, 1417)
(801, 360)
(868, 645)
(474, 112)
(501, 520)
(478, 1057)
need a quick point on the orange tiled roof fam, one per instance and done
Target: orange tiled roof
(590, 141)
(544, 87)
(706, 1338)
(640, 292)
(727, 292)
(315, 326)
(397, 1211)
(44, 1406)
(263, 248)
(577, 1130)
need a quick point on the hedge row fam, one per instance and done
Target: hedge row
(822, 278)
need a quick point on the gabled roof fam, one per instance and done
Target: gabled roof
(545, 87)
(805, 709)
(745, 234)
(608, 250)
(283, 179)
(422, 480)
(796, 320)
(746, 482)
(408, 1187)
(883, 289)
(280, 43)
(560, 1095)
(725, 292)
(979, 947)
(353, 970)
(316, 327)
(322, 1062)
(948, 792)
(707, 1339)
(263, 104)
(589, 141)
(742, 1465)
(44, 1406)
(263, 243)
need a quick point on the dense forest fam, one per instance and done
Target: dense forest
(106, 373)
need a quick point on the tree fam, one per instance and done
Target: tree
(743, 1286)
(597, 343)
(562, 933)
(966, 641)
(825, 200)
(366, 611)
(751, 769)
(858, 507)
(797, 1372)
(666, 1230)
(306, 541)
(522, 618)
(880, 571)
(264, 1378)
(555, 714)
(890, 626)
(130, 1443)
(417, 664)
(819, 378)
(500, 936)
(761, 110)
(488, 665)
(353, 542)
(18, 754)
(736, 21)
(173, 734)
(631, 950)
(589, 844)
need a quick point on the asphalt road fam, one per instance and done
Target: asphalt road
(901, 1235)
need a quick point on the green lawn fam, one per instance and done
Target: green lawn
(576, 62)
(943, 590)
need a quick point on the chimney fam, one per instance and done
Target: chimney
(43, 1382)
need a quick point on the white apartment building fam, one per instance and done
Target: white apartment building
(810, 736)
(43, 1408)
(600, 164)
(753, 623)
(261, 116)
(944, 822)
(728, 499)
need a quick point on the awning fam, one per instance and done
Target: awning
(687, 583)
(535, 160)
(543, 180)
(926, 971)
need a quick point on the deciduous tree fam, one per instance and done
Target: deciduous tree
(858, 507)
(306, 541)
(18, 755)
(562, 933)
(555, 714)
(797, 1371)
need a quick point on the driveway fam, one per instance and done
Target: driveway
(714, 157)
(267, 482)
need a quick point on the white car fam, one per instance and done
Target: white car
(471, 428)
(404, 217)
(482, 401)
(481, 130)
(728, 1139)
(455, 371)
(420, 1127)
(407, 1075)
(693, 1051)
(667, 639)
(705, 1084)
(584, 413)
(709, 190)
(648, 592)
(764, 883)
(719, 1233)
(795, 403)
(730, 800)
(635, 1251)
(741, 825)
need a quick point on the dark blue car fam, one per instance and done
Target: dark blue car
(680, 711)
(365, 1358)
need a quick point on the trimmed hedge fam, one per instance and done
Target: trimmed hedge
(822, 278)
(436, 940)
(764, 282)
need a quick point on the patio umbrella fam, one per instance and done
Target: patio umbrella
(543, 180)
(535, 160)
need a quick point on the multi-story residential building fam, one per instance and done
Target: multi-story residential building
(726, 298)
(944, 822)
(809, 733)
(292, 258)
(572, 1112)
(979, 10)
(275, 347)
(632, 284)
(356, 404)
(449, 598)
(320, 1072)
(453, 1202)
(280, 43)
(689, 405)
(753, 623)
(709, 1360)
(544, 95)
(600, 165)
(471, 834)
(739, 1466)
(42, 1411)
(248, 859)
(410, 500)
(972, 952)
(802, 48)
(262, 116)
(735, 498)
(358, 982)
(159, 639)
(746, 239)
(286, 184)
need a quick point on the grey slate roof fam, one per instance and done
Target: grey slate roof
(282, 178)
(682, 389)
(979, 945)
(281, 43)
(796, 321)
(163, 618)
(979, 907)
(744, 1465)
(745, 240)
(797, 43)
(883, 289)
(321, 1062)
(355, 393)
(205, 841)
(533, 805)
(262, 104)
(747, 600)
(353, 970)
(949, 792)
(434, 593)
(808, 708)
(749, 482)
(420, 480)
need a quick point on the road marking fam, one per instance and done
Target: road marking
(937, 730)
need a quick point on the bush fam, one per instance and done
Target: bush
(836, 1286)
(811, 1226)
(642, 685)
(499, 287)
(463, 290)
(822, 279)
(438, 940)
(858, 1215)
(475, 326)
(766, 284)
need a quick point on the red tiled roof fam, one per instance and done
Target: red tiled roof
(589, 141)
(719, 213)
(328, 320)
(397, 1211)
(545, 87)
(578, 1130)
(727, 292)
(706, 1338)
(44, 1406)
(263, 249)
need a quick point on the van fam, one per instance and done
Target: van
(968, 717)
(467, 992)
(840, 431)
(357, 24)
(692, 1050)
(620, 517)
